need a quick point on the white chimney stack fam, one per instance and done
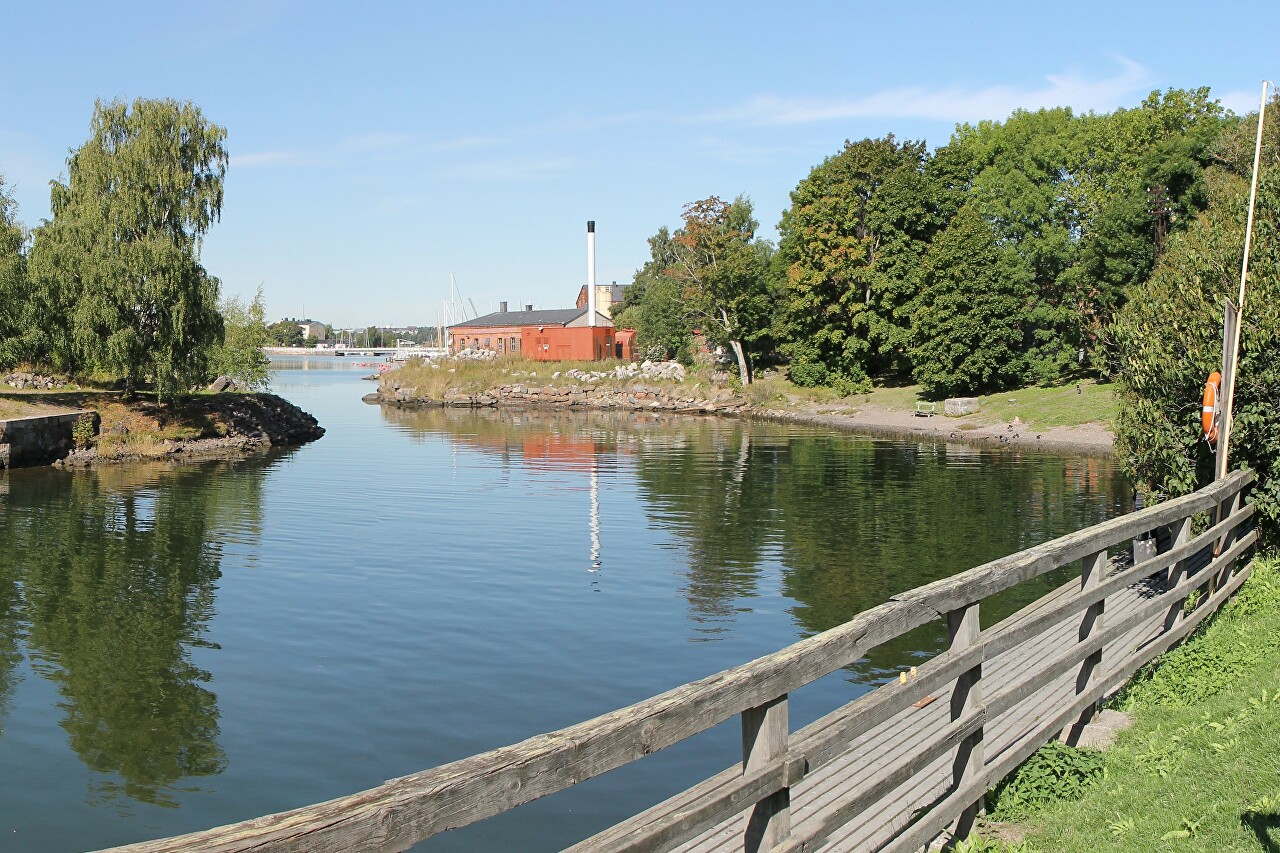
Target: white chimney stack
(591, 272)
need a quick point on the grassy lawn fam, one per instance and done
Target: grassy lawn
(1200, 768)
(1040, 408)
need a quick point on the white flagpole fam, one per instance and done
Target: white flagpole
(1244, 274)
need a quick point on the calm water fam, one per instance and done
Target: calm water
(187, 646)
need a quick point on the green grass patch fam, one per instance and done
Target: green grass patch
(1200, 769)
(1039, 408)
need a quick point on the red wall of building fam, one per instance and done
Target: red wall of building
(501, 339)
(575, 343)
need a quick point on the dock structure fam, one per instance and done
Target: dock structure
(893, 770)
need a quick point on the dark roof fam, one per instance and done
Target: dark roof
(549, 317)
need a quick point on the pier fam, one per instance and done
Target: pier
(893, 770)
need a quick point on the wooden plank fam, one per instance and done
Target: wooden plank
(885, 781)
(764, 740)
(828, 737)
(1177, 571)
(1091, 624)
(966, 632)
(694, 810)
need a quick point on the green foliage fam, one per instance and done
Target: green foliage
(117, 276)
(968, 326)
(82, 432)
(12, 280)
(1170, 339)
(723, 268)
(808, 375)
(1055, 773)
(285, 334)
(849, 386)
(239, 355)
(977, 844)
(850, 249)
(654, 305)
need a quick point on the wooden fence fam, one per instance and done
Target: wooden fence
(889, 771)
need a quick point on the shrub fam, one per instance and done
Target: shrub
(848, 386)
(1169, 338)
(808, 375)
(1054, 773)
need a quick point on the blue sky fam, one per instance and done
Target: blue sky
(378, 147)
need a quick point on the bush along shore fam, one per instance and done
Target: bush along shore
(670, 387)
(202, 425)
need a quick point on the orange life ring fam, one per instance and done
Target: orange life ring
(1209, 407)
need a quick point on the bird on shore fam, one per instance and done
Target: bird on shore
(953, 435)
(1037, 438)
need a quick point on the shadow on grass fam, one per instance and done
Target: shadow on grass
(1266, 827)
(195, 415)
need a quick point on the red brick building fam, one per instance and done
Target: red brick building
(559, 334)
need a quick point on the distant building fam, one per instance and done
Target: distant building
(607, 296)
(312, 329)
(557, 334)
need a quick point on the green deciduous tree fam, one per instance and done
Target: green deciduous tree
(13, 239)
(120, 260)
(723, 270)
(968, 328)
(850, 249)
(239, 355)
(285, 333)
(654, 304)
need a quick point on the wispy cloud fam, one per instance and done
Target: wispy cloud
(946, 103)
(263, 159)
(740, 153)
(375, 142)
(515, 168)
(465, 143)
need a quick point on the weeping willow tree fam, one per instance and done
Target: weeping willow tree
(117, 270)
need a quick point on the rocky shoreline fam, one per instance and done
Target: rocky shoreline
(244, 424)
(716, 400)
(637, 397)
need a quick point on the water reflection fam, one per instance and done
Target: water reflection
(849, 520)
(108, 578)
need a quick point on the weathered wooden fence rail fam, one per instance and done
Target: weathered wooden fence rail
(888, 771)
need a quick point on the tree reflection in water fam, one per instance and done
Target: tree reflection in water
(118, 571)
(847, 520)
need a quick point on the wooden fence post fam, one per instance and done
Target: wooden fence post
(1178, 571)
(1092, 569)
(765, 731)
(970, 761)
(1226, 510)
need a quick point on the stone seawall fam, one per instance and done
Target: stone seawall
(41, 440)
(636, 397)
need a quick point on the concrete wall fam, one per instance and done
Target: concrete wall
(40, 440)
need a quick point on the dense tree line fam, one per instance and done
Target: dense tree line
(112, 285)
(996, 260)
